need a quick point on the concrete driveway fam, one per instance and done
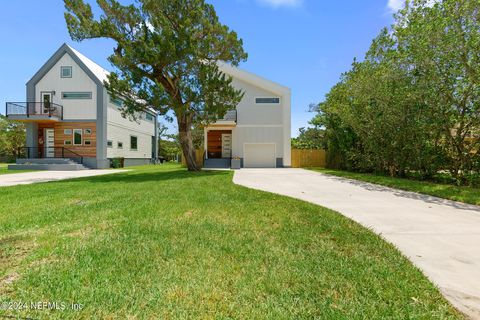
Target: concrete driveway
(441, 237)
(13, 179)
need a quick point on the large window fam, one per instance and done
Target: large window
(76, 95)
(133, 143)
(267, 100)
(66, 72)
(77, 137)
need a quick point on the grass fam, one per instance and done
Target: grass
(4, 169)
(469, 195)
(159, 242)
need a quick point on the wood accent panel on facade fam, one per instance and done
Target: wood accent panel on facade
(214, 142)
(60, 137)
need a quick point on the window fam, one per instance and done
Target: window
(133, 143)
(117, 102)
(120, 145)
(77, 137)
(267, 100)
(87, 131)
(148, 117)
(66, 72)
(76, 95)
(67, 142)
(87, 142)
(110, 143)
(67, 132)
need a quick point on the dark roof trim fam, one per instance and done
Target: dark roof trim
(54, 59)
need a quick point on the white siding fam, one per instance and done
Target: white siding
(81, 109)
(242, 135)
(120, 129)
(250, 113)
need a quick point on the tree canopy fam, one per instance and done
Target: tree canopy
(166, 57)
(413, 103)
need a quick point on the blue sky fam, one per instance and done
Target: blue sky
(303, 44)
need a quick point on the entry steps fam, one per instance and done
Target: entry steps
(52, 164)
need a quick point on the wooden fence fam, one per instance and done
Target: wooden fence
(198, 156)
(303, 158)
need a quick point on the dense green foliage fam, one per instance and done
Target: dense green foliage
(159, 242)
(413, 103)
(309, 138)
(12, 138)
(166, 56)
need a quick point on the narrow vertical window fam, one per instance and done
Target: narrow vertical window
(77, 136)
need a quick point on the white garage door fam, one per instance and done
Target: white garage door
(259, 155)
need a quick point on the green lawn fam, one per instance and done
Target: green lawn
(159, 242)
(4, 169)
(446, 191)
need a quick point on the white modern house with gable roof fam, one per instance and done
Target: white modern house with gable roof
(72, 122)
(258, 131)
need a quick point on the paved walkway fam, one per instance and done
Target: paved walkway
(13, 179)
(441, 237)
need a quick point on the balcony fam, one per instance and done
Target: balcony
(228, 120)
(231, 115)
(34, 111)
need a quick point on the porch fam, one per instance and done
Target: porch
(34, 111)
(217, 147)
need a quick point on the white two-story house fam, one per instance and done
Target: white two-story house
(258, 131)
(69, 115)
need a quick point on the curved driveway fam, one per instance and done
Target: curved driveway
(441, 237)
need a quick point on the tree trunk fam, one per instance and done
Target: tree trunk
(186, 142)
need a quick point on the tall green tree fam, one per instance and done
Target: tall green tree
(166, 57)
(440, 44)
(12, 137)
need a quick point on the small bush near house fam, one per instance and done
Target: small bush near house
(117, 163)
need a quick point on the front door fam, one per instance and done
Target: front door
(226, 145)
(46, 102)
(49, 143)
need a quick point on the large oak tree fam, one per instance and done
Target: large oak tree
(166, 57)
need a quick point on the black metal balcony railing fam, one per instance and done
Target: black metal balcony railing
(49, 152)
(28, 109)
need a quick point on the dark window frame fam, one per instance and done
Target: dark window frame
(267, 100)
(66, 68)
(136, 143)
(88, 96)
(81, 137)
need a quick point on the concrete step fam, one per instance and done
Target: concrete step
(46, 161)
(48, 166)
(217, 163)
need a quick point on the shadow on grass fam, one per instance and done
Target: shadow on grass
(148, 176)
(406, 194)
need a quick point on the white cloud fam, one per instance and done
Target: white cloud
(395, 5)
(282, 3)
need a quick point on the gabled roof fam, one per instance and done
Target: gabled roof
(253, 79)
(94, 71)
(99, 72)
